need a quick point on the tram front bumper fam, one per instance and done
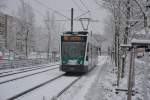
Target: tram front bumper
(74, 68)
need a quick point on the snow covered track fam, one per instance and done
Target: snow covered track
(13, 79)
(24, 70)
(15, 88)
(52, 89)
(49, 85)
(83, 89)
(33, 88)
(66, 88)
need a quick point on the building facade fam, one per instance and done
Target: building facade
(3, 31)
(13, 36)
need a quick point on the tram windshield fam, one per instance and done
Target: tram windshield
(73, 49)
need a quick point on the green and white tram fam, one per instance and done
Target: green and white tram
(79, 52)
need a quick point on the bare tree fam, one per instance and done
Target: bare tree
(12, 29)
(48, 26)
(101, 39)
(53, 34)
(126, 19)
(27, 23)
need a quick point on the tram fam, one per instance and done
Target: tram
(79, 52)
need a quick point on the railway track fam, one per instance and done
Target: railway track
(24, 76)
(66, 88)
(33, 88)
(49, 82)
(24, 70)
(19, 69)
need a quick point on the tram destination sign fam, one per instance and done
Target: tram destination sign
(74, 38)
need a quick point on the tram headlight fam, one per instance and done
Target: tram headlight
(81, 62)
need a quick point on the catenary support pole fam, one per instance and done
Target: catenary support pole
(130, 80)
(71, 19)
(145, 82)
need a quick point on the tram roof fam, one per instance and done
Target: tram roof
(75, 33)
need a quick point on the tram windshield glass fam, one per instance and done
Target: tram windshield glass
(73, 49)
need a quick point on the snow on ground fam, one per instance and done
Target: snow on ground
(50, 90)
(2, 79)
(100, 84)
(107, 87)
(12, 88)
(80, 90)
(22, 68)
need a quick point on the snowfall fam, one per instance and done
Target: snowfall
(98, 84)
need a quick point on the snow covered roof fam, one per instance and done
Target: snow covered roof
(142, 42)
(141, 32)
(125, 45)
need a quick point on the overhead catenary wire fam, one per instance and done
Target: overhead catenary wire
(82, 14)
(84, 5)
(97, 3)
(44, 5)
(42, 15)
(86, 8)
(67, 18)
(77, 5)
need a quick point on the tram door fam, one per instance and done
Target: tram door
(90, 56)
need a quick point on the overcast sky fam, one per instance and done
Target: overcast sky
(64, 6)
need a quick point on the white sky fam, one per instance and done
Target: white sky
(64, 6)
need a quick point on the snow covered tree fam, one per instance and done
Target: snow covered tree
(128, 17)
(53, 36)
(27, 24)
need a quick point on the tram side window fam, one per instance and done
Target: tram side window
(87, 56)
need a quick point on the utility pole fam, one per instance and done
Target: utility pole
(71, 19)
(130, 78)
(145, 79)
(49, 35)
(26, 39)
(6, 42)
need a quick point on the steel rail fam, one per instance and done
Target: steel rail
(26, 70)
(33, 88)
(67, 87)
(27, 75)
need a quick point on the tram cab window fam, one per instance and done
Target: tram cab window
(73, 49)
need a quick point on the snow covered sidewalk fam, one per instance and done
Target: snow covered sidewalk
(100, 83)
(86, 88)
